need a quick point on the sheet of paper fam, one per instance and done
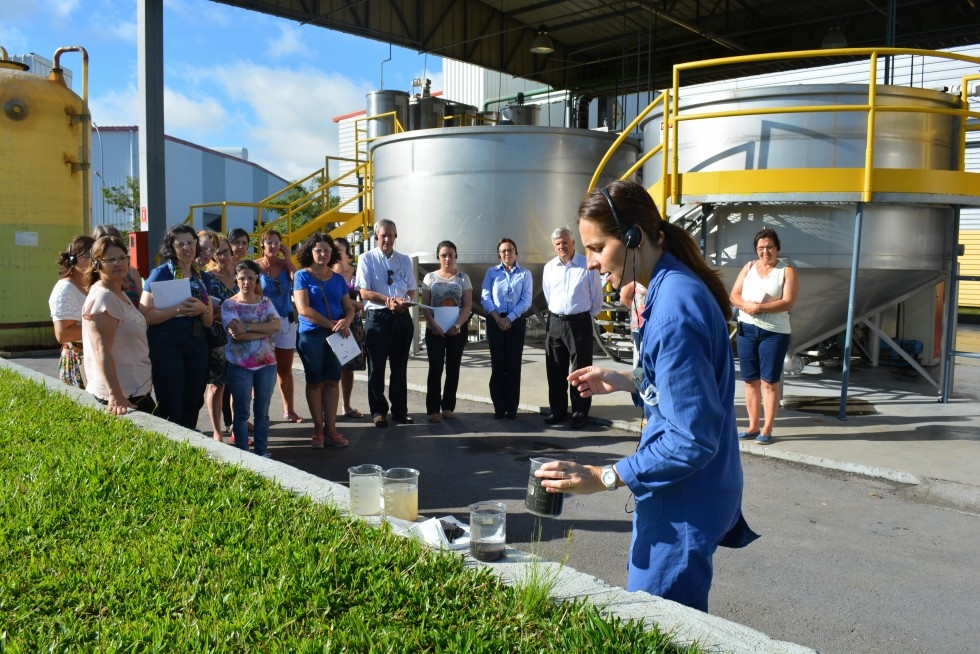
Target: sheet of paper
(752, 293)
(345, 348)
(445, 317)
(171, 292)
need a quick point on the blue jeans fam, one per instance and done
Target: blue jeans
(761, 353)
(243, 384)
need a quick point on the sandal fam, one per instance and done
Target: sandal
(317, 442)
(337, 440)
(353, 414)
(292, 416)
(448, 415)
(434, 417)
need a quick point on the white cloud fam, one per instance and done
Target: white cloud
(289, 42)
(292, 128)
(116, 108)
(63, 8)
(192, 118)
(13, 39)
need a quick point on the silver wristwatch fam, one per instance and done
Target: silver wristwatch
(609, 478)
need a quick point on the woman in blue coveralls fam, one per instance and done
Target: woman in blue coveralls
(686, 473)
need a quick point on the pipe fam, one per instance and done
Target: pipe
(526, 94)
(952, 300)
(851, 293)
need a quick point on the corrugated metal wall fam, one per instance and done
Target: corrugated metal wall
(195, 175)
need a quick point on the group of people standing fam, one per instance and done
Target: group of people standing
(686, 474)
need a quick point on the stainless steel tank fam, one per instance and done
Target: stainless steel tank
(474, 185)
(904, 247)
(520, 114)
(426, 112)
(382, 102)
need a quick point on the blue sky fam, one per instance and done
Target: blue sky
(233, 78)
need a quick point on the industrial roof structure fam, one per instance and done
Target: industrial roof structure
(627, 45)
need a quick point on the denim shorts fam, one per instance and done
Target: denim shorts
(761, 353)
(320, 364)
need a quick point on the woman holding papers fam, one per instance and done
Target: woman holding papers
(447, 299)
(764, 293)
(324, 309)
(177, 308)
(252, 323)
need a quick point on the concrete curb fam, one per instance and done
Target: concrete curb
(685, 624)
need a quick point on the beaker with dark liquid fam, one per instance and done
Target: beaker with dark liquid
(488, 530)
(539, 501)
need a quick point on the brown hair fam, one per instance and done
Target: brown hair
(68, 259)
(98, 253)
(635, 207)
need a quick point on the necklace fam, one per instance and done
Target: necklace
(320, 276)
(452, 275)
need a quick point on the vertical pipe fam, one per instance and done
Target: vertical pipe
(851, 293)
(952, 300)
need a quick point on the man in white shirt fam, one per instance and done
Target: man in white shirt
(387, 285)
(574, 296)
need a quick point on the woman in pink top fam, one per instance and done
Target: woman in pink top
(114, 334)
(252, 323)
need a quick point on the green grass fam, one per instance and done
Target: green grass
(115, 539)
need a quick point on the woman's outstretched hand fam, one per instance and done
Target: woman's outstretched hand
(591, 381)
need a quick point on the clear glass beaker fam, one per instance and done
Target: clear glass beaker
(365, 489)
(488, 530)
(400, 492)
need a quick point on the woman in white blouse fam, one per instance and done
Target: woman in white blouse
(65, 303)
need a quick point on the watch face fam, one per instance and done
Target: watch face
(609, 478)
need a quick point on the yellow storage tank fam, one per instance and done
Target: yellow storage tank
(44, 192)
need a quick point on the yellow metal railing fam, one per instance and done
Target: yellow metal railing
(863, 182)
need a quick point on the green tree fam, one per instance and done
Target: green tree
(125, 198)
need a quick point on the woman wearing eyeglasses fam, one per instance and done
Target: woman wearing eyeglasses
(220, 279)
(506, 296)
(65, 304)
(208, 241)
(324, 309)
(276, 264)
(114, 332)
(133, 284)
(252, 323)
(686, 473)
(764, 294)
(178, 349)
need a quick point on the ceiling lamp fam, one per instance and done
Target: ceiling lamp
(834, 39)
(542, 43)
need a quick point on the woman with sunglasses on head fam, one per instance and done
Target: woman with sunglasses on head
(506, 297)
(133, 284)
(764, 294)
(114, 332)
(178, 348)
(65, 304)
(686, 473)
(344, 268)
(220, 279)
(276, 265)
(252, 323)
(444, 343)
(324, 309)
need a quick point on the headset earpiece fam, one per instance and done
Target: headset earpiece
(72, 259)
(96, 264)
(630, 236)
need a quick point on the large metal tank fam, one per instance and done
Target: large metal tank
(382, 102)
(44, 194)
(904, 247)
(474, 185)
(426, 112)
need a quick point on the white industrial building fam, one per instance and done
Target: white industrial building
(195, 175)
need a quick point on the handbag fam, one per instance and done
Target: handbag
(69, 365)
(215, 335)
